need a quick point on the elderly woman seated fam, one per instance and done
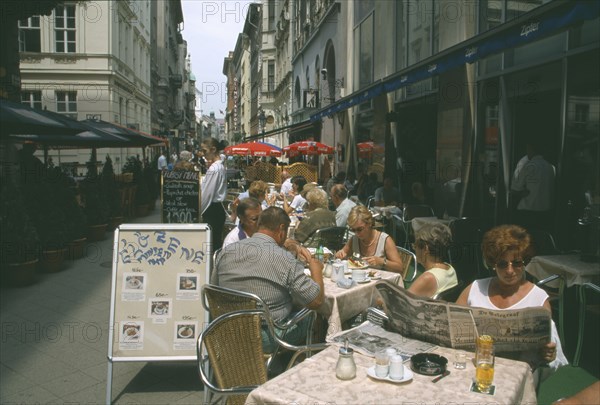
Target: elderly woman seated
(507, 249)
(317, 215)
(431, 247)
(377, 249)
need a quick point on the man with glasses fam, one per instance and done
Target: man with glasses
(248, 210)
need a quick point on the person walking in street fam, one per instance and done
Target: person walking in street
(214, 191)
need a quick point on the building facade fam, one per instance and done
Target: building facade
(89, 60)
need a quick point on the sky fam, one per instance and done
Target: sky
(211, 29)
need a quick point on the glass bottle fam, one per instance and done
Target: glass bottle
(345, 368)
(319, 253)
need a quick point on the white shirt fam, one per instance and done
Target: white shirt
(214, 185)
(162, 162)
(342, 212)
(234, 236)
(286, 186)
(536, 176)
(298, 202)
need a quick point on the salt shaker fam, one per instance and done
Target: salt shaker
(345, 368)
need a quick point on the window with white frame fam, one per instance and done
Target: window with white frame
(29, 35)
(32, 98)
(66, 103)
(64, 29)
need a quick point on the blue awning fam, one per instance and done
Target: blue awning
(539, 23)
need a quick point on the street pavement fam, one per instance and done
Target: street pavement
(55, 342)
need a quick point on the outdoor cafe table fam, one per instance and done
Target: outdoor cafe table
(342, 304)
(574, 272)
(314, 382)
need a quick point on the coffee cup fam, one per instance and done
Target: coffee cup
(359, 275)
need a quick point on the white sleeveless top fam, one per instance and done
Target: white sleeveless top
(379, 249)
(479, 297)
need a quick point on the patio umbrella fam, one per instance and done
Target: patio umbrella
(16, 118)
(135, 137)
(308, 148)
(253, 149)
(365, 149)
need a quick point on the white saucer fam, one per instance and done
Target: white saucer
(408, 375)
(366, 280)
(366, 266)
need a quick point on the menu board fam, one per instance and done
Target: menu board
(156, 310)
(180, 196)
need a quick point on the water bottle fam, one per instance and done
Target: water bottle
(319, 254)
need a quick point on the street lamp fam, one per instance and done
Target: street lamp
(262, 120)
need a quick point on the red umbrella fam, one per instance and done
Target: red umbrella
(253, 149)
(308, 148)
(366, 148)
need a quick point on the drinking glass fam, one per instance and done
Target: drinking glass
(460, 360)
(382, 363)
(484, 372)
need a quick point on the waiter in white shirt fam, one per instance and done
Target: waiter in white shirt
(213, 191)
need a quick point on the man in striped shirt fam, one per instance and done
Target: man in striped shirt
(262, 266)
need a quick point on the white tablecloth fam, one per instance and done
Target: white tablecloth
(314, 382)
(575, 271)
(342, 304)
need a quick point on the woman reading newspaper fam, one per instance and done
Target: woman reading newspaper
(507, 249)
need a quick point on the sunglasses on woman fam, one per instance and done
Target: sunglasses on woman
(516, 264)
(359, 229)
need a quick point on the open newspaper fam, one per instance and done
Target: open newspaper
(451, 325)
(368, 339)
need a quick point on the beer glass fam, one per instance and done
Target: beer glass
(484, 372)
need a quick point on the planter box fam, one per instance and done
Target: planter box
(96, 232)
(76, 249)
(20, 274)
(52, 261)
(114, 222)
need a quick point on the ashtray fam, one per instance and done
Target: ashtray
(428, 363)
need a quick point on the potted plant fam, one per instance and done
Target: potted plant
(142, 194)
(48, 214)
(95, 206)
(75, 219)
(20, 244)
(113, 196)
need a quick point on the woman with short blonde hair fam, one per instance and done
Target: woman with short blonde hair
(376, 248)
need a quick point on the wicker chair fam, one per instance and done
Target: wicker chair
(409, 259)
(233, 344)
(220, 300)
(334, 238)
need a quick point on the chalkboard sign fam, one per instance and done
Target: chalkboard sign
(180, 196)
(158, 272)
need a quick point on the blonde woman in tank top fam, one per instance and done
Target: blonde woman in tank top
(377, 249)
(507, 249)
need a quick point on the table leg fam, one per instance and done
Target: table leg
(581, 299)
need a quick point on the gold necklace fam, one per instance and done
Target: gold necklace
(370, 244)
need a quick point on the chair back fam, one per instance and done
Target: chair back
(409, 264)
(417, 210)
(370, 201)
(233, 343)
(543, 242)
(451, 294)
(220, 300)
(334, 238)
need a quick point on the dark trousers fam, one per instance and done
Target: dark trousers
(215, 217)
(540, 220)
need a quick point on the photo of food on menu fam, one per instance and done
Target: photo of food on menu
(159, 307)
(188, 282)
